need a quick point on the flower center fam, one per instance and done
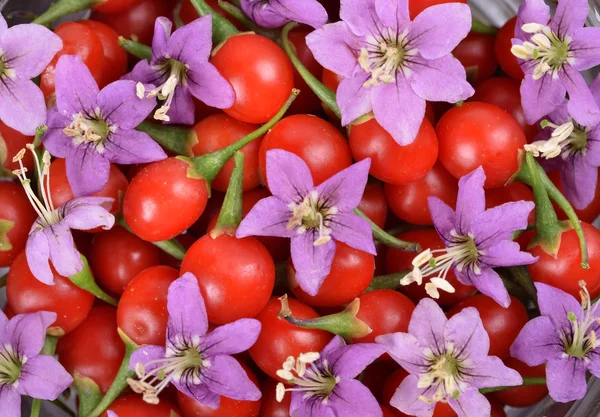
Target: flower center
(566, 140)
(384, 55)
(4, 71)
(174, 73)
(461, 253)
(44, 207)
(312, 214)
(184, 362)
(308, 376)
(89, 130)
(582, 338)
(443, 373)
(547, 49)
(10, 365)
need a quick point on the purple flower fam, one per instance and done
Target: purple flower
(92, 128)
(23, 371)
(572, 148)
(476, 240)
(276, 13)
(551, 53)
(179, 69)
(325, 384)
(25, 50)
(392, 66)
(50, 236)
(447, 361)
(200, 365)
(565, 338)
(311, 216)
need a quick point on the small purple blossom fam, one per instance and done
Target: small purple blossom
(50, 238)
(477, 240)
(276, 13)
(179, 69)
(448, 361)
(25, 50)
(200, 365)
(565, 338)
(92, 128)
(313, 217)
(325, 384)
(551, 53)
(572, 148)
(392, 66)
(23, 370)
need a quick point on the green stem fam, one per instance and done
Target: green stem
(120, 381)
(85, 280)
(179, 139)
(230, 216)
(36, 406)
(387, 239)
(208, 166)
(222, 28)
(177, 14)
(48, 349)
(520, 275)
(326, 95)
(527, 381)
(525, 175)
(344, 324)
(136, 49)
(387, 282)
(172, 246)
(88, 393)
(479, 27)
(63, 407)
(63, 8)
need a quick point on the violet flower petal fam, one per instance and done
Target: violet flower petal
(27, 332)
(569, 16)
(263, 13)
(104, 202)
(10, 402)
(537, 342)
(487, 372)
(120, 106)
(353, 398)
(335, 47)
(183, 108)
(437, 30)
(76, 89)
(405, 349)
(268, 217)
(225, 376)
(145, 355)
(160, 40)
(55, 141)
(231, 338)
(444, 217)
(506, 253)
(556, 305)
(345, 189)
(582, 105)
(349, 361)
(3, 323)
(427, 323)
(354, 231)
(29, 49)
(301, 407)
(406, 399)
(334, 343)
(541, 97)
(64, 256)
(579, 179)
(43, 377)
(200, 393)
(353, 99)
(191, 44)
(488, 282)
(3, 25)
(393, 14)
(312, 263)
(470, 201)
(471, 403)
(144, 73)
(22, 105)
(309, 12)
(208, 85)
(499, 223)
(87, 169)
(88, 217)
(465, 330)
(566, 379)
(398, 110)
(132, 147)
(187, 311)
(440, 79)
(594, 364)
(531, 11)
(585, 46)
(288, 176)
(360, 16)
(37, 252)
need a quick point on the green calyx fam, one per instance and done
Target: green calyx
(344, 324)
(178, 139)
(230, 216)
(5, 227)
(387, 239)
(85, 280)
(222, 28)
(136, 49)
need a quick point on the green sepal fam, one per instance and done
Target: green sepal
(230, 216)
(480, 27)
(344, 324)
(5, 227)
(179, 139)
(222, 28)
(137, 49)
(85, 280)
(88, 392)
